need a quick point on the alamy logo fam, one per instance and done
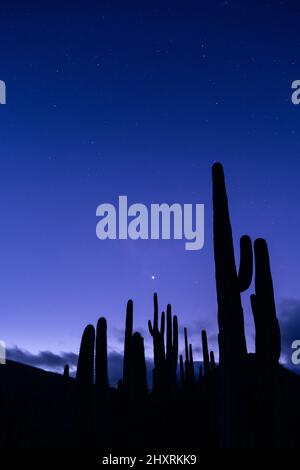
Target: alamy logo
(296, 354)
(295, 97)
(2, 92)
(161, 221)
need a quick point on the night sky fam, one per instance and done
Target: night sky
(140, 98)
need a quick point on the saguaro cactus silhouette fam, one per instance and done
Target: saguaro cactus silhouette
(200, 374)
(232, 342)
(172, 347)
(138, 371)
(212, 360)
(158, 336)
(205, 353)
(165, 360)
(181, 368)
(158, 344)
(187, 361)
(67, 371)
(189, 367)
(191, 364)
(85, 367)
(127, 359)
(101, 356)
(267, 338)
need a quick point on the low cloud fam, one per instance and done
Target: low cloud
(55, 362)
(44, 359)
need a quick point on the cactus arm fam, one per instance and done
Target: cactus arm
(212, 360)
(246, 263)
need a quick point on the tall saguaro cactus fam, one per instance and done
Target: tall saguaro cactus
(85, 366)
(172, 346)
(101, 356)
(263, 306)
(192, 368)
(127, 359)
(181, 368)
(186, 362)
(229, 284)
(206, 362)
(138, 373)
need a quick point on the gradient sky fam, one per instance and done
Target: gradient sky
(140, 98)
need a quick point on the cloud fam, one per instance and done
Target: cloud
(44, 359)
(55, 362)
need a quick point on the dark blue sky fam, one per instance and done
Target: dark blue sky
(140, 98)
